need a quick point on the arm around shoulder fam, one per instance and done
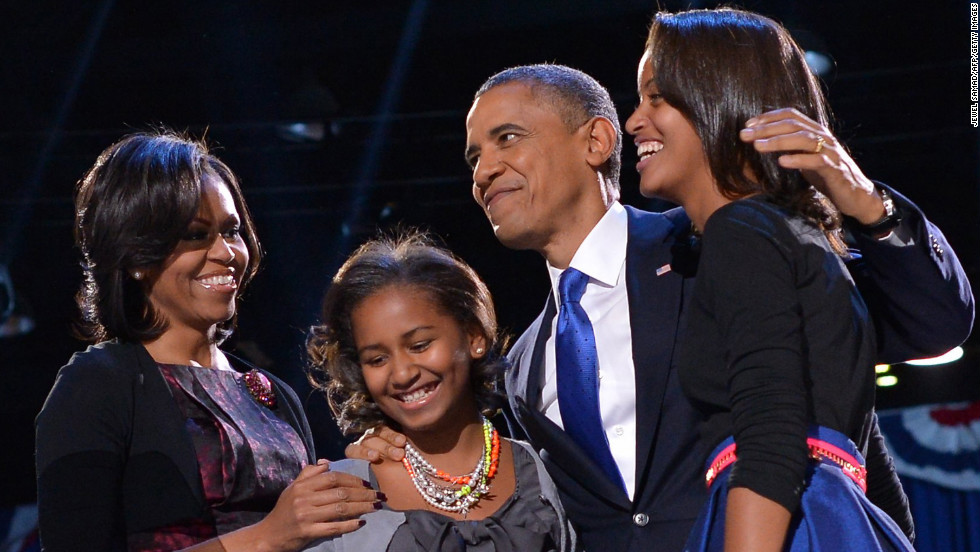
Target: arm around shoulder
(915, 287)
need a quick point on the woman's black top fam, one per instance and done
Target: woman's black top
(777, 339)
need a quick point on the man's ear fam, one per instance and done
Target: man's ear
(602, 141)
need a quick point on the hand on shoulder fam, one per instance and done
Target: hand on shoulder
(812, 148)
(377, 444)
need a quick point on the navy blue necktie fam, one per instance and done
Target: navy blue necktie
(578, 375)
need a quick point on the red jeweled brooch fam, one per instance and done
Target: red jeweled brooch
(260, 388)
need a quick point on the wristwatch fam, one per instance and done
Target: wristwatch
(888, 222)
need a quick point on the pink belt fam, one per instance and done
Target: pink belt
(819, 450)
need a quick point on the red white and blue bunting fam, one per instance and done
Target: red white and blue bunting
(936, 443)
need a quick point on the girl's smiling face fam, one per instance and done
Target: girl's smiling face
(415, 359)
(672, 163)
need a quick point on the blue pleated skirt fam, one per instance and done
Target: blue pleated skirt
(834, 513)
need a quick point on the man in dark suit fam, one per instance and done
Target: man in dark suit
(544, 145)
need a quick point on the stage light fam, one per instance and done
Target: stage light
(886, 381)
(952, 355)
(16, 315)
(819, 62)
(302, 132)
(882, 368)
(6, 294)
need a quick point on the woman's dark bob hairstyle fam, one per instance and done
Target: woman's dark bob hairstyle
(131, 209)
(722, 67)
(408, 260)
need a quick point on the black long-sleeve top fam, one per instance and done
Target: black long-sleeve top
(114, 456)
(778, 338)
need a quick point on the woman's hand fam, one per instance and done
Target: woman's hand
(377, 444)
(812, 149)
(318, 504)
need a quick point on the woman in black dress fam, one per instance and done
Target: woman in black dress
(153, 438)
(778, 351)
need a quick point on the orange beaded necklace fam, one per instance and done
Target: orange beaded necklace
(429, 481)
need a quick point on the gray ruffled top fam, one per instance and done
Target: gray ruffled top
(530, 520)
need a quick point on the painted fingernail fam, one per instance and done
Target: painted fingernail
(366, 484)
(751, 122)
(361, 523)
(378, 505)
(381, 496)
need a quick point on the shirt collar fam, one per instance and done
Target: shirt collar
(602, 253)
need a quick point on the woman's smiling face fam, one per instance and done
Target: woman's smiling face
(196, 285)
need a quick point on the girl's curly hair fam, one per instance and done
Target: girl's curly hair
(409, 259)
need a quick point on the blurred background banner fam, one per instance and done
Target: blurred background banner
(936, 449)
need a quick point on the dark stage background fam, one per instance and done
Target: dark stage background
(344, 117)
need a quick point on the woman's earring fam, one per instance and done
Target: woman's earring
(137, 275)
(479, 350)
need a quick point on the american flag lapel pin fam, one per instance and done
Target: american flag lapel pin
(663, 270)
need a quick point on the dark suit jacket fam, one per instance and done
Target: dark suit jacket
(669, 473)
(113, 456)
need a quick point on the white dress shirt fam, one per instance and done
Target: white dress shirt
(602, 256)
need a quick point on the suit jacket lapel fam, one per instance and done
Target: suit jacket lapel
(556, 446)
(655, 305)
(527, 358)
(537, 353)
